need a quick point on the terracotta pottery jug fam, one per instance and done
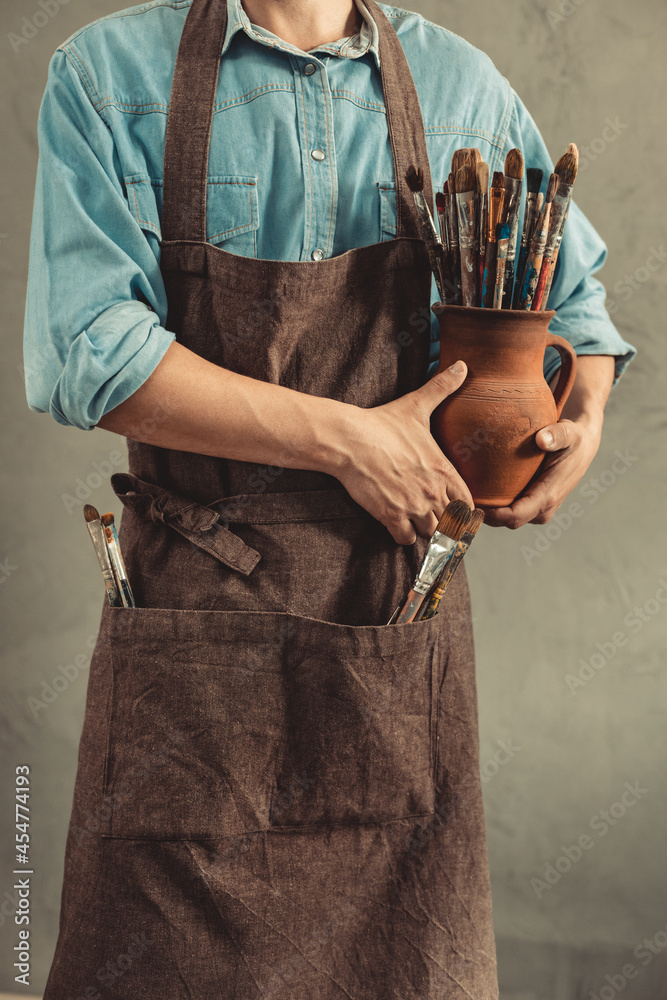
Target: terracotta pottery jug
(487, 427)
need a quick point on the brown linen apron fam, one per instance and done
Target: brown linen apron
(277, 795)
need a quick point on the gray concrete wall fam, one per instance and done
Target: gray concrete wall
(536, 617)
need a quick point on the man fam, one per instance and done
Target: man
(239, 291)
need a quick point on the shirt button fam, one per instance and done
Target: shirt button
(309, 69)
(317, 154)
(317, 254)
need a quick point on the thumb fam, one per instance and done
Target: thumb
(431, 393)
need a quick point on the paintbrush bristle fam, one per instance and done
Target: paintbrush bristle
(534, 179)
(455, 519)
(475, 522)
(91, 513)
(415, 178)
(566, 168)
(482, 177)
(476, 155)
(107, 520)
(461, 158)
(498, 182)
(465, 179)
(440, 202)
(514, 164)
(572, 148)
(552, 187)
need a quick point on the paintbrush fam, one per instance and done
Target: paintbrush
(430, 236)
(466, 200)
(512, 204)
(442, 544)
(496, 198)
(453, 236)
(537, 245)
(483, 204)
(533, 183)
(464, 543)
(117, 561)
(502, 240)
(96, 532)
(566, 169)
(476, 156)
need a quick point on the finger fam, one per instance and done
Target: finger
(555, 437)
(538, 506)
(402, 531)
(431, 393)
(426, 525)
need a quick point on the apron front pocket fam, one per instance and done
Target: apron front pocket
(228, 722)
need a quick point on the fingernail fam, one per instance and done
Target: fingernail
(457, 367)
(548, 438)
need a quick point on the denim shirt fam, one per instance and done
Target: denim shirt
(300, 168)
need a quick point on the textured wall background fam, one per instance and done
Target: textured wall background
(554, 755)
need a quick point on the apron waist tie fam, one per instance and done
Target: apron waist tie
(196, 522)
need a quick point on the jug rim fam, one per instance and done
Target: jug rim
(520, 315)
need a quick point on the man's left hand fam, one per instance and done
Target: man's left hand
(570, 446)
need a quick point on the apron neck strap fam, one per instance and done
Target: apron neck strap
(190, 116)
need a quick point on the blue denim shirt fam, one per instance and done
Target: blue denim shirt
(96, 307)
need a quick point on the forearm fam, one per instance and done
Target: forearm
(189, 404)
(592, 385)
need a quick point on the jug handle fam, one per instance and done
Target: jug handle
(567, 372)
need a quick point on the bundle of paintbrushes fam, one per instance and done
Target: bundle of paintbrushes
(448, 545)
(473, 250)
(102, 531)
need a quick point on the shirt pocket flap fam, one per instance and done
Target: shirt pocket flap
(387, 192)
(231, 205)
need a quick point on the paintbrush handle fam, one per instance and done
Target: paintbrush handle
(540, 298)
(534, 262)
(511, 217)
(431, 241)
(550, 278)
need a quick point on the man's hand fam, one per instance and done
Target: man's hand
(393, 466)
(571, 446)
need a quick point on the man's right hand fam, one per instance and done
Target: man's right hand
(393, 466)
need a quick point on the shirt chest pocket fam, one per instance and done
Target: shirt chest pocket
(232, 210)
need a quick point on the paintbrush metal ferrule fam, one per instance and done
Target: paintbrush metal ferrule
(438, 552)
(502, 240)
(466, 200)
(96, 532)
(511, 217)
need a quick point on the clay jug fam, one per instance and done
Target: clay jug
(487, 427)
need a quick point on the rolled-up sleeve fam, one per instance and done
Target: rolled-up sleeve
(95, 302)
(578, 297)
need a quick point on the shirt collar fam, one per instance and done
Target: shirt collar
(366, 39)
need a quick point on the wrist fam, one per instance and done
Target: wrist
(330, 444)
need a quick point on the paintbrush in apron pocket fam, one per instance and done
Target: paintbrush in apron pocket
(429, 609)
(96, 532)
(441, 547)
(566, 169)
(117, 561)
(537, 245)
(430, 235)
